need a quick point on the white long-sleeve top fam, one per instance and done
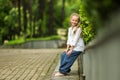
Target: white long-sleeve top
(75, 39)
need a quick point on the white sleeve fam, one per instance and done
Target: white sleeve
(76, 36)
(68, 40)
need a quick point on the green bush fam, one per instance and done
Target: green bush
(94, 14)
(88, 30)
(22, 40)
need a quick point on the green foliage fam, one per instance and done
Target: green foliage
(99, 11)
(69, 9)
(66, 22)
(12, 19)
(54, 37)
(9, 20)
(16, 41)
(44, 25)
(88, 30)
(22, 40)
(0, 39)
(94, 13)
(5, 6)
(11, 23)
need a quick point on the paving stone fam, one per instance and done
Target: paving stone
(27, 64)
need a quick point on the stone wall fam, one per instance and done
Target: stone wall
(39, 44)
(100, 60)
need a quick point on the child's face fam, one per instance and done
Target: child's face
(74, 21)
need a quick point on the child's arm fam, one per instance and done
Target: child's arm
(68, 41)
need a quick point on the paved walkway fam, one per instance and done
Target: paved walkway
(28, 64)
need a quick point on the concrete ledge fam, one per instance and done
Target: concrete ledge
(72, 76)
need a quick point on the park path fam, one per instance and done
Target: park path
(28, 64)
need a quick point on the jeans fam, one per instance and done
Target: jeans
(67, 61)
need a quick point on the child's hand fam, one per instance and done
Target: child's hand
(69, 52)
(66, 50)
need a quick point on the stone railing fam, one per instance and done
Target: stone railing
(100, 61)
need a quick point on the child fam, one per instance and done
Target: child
(75, 46)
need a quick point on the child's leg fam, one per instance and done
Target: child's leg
(62, 58)
(67, 61)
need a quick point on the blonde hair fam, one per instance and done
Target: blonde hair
(75, 14)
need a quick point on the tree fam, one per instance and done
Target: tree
(31, 18)
(25, 16)
(19, 17)
(50, 24)
(41, 9)
(99, 11)
(5, 6)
